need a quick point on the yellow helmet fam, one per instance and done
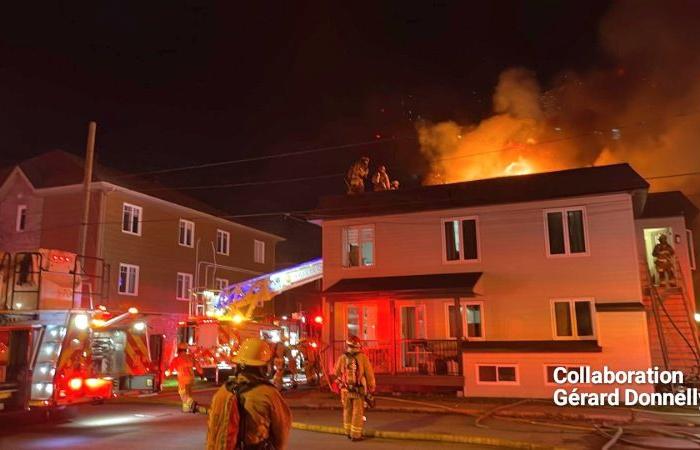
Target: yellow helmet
(253, 352)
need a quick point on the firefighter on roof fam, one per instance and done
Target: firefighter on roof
(355, 376)
(663, 261)
(356, 176)
(247, 412)
(380, 179)
(185, 365)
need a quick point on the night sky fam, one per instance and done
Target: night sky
(179, 83)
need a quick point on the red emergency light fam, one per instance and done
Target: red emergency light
(318, 320)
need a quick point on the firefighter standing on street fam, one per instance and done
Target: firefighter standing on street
(264, 421)
(355, 375)
(185, 365)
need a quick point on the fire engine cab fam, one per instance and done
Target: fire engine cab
(222, 319)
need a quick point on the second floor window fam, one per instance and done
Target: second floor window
(461, 239)
(184, 286)
(186, 234)
(259, 252)
(128, 279)
(566, 231)
(21, 218)
(573, 319)
(358, 246)
(131, 219)
(222, 242)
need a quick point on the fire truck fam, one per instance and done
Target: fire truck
(56, 347)
(223, 319)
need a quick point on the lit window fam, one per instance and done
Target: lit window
(566, 231)
(461, 239)
(184, 286)
(221, 283)
(358, 246)
(186, 233)
(573, 319)
(222, 242)
(131, 219)
(501, 374)
(259, 252)
(128, 279)
(21, 218)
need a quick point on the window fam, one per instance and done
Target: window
(573, 319)
(471, 315)
(186, 233)
(259, 252)
(691, 248)
(184, 286)
(221, 284)
(361, 321)
(501, 374)
(566, 231)
(358, 246)
(131, 219)
(128, 279)
(222, 242)
(21, 224)
(461, 239)
(549, 372)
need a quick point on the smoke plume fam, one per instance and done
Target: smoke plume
(640, 105)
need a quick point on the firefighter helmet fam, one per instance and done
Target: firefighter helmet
(253, 352)
(353, 342)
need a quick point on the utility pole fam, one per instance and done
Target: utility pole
(89, 157)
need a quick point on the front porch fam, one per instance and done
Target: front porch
(412, 327)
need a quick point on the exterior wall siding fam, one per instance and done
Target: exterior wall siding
(619, 333)
(160, 257)
(19, 192)
(518, 280)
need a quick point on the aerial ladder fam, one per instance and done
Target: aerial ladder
(241, 299)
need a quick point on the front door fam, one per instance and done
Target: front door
(412, 338)
(651, 239)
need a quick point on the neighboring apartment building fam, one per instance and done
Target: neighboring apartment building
(487, 286)
(159, 245)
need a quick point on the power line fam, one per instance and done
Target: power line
(261, 158)
(249, 183)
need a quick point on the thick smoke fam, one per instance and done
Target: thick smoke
(640, 105)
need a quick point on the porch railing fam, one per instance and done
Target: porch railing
(410, 356)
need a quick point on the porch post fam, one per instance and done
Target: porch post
(459, 332)
(393, 343)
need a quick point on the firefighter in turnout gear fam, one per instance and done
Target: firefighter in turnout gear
(278, 365)
(357, 173)
(355, 375)
(663, 255)
(185, 365)
(247, 412)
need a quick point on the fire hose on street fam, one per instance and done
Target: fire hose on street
(631, 434)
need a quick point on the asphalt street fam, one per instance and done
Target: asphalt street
(155, 427)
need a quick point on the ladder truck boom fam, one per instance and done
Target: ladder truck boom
(246, 295)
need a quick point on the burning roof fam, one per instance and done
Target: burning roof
(491, 191)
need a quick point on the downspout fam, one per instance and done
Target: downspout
(196, 276)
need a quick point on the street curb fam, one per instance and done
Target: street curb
(431, 437)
